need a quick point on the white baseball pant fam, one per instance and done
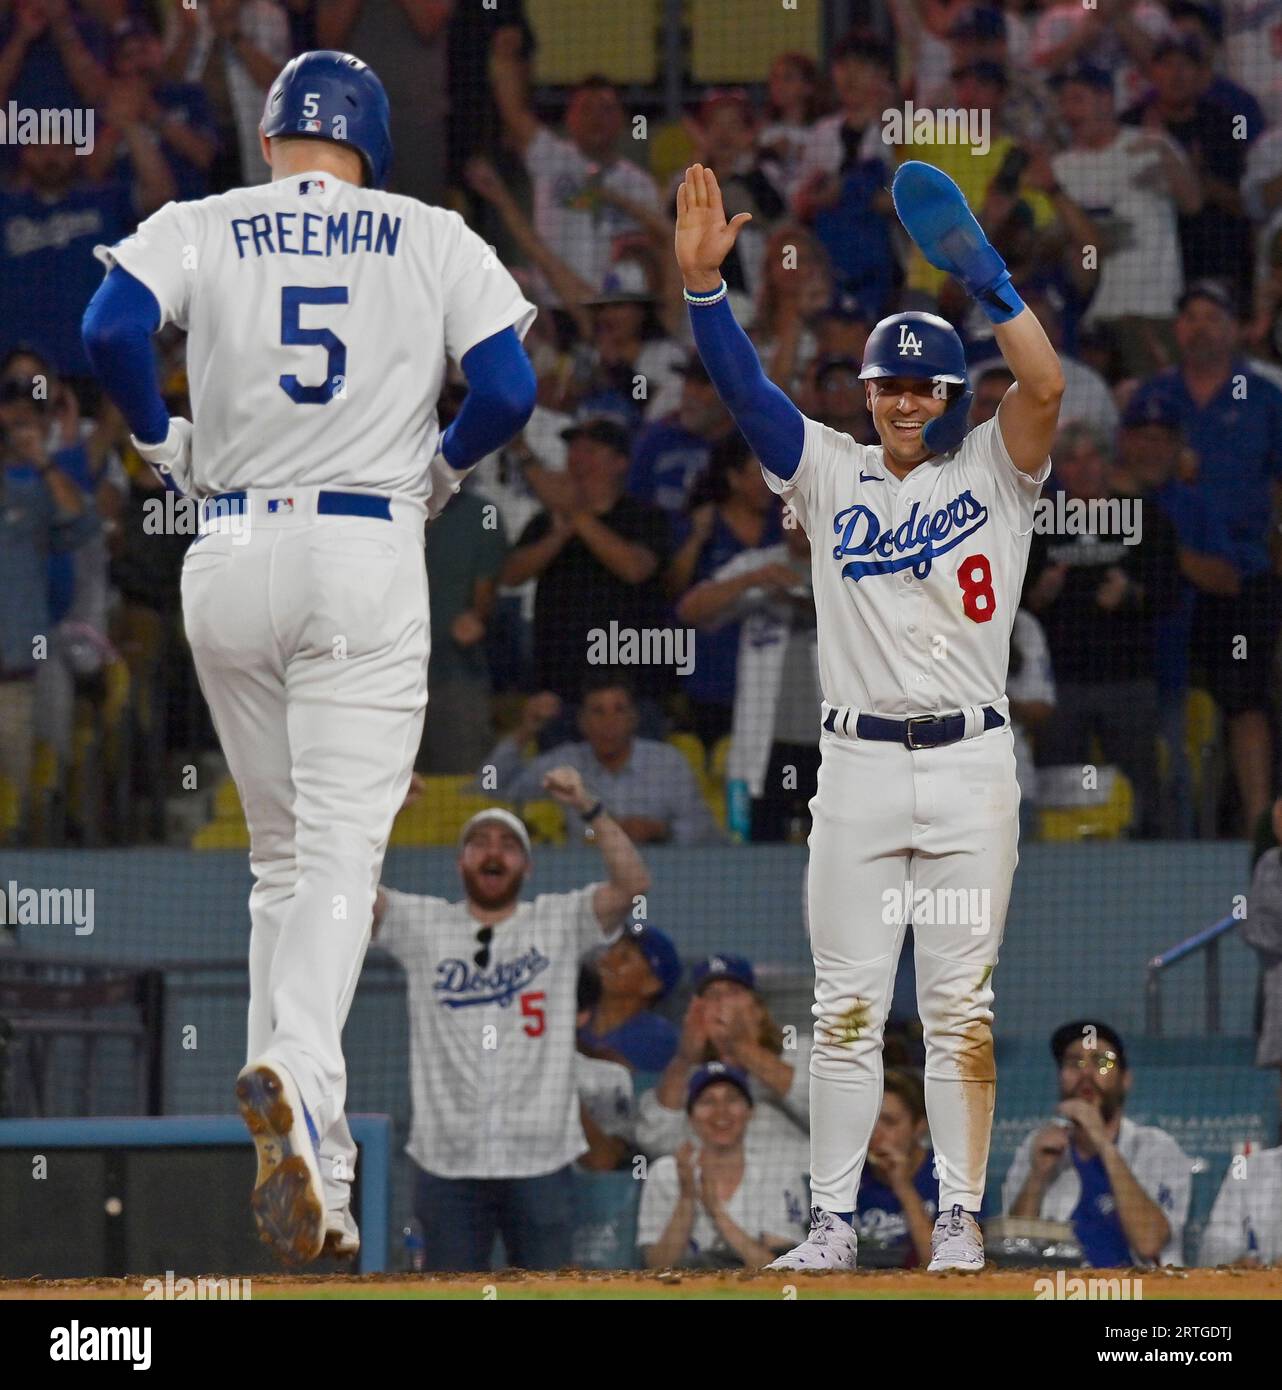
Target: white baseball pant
(310, 637)
(902, 836)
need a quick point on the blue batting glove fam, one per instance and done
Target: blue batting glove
(934, 213)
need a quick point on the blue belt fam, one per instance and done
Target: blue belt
(327, 504)
(922, 731)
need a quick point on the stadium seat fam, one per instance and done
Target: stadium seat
(624, 44)
(222, 834)
(226, 800)
(227, 828)
(10, 807)
(545, 821)
(440, 813)
(672, 151)
(726, 49)
(1204, 750)
(1105, 819)
(691, 748)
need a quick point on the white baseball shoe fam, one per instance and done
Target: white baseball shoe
(342, 1236)
(288, 1200)
(831, 1244)
(956, 1243)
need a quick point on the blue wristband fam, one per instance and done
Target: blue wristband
(1000, 301)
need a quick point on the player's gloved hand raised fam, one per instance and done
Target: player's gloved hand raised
(935, 214)
(171, 457)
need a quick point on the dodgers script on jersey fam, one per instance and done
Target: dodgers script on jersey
(916, 581)
(342, 304)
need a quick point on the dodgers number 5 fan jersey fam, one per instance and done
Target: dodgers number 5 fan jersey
(492, 1048)
(916, 582)
(320, 316)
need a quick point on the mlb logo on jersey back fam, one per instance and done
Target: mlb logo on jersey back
(909, 342)
(311, 186)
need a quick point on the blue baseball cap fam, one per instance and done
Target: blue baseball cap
(661, 955)
(979, 22)
(1154, 408)
(846, 304)
(1088, 74)
(736, 968)
(709, 1075)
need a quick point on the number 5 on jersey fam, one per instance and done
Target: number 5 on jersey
(293, 334)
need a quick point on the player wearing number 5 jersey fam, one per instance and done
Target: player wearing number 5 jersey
(320, 312)
(491, 984)
(918, 550)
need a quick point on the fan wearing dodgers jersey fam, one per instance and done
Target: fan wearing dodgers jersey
(492, 999)
(919, 548)
(320, 311)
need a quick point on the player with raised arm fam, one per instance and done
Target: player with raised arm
(918, 548)
(320, 311)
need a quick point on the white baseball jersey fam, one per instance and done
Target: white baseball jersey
(1157, 1163)
(916, 581)
(343, 304)
(1247, 1216)
(493, 1062)
(607, 1094)
(771, 1201)
(1119, 185)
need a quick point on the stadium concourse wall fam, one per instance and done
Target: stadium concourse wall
(1085, 919)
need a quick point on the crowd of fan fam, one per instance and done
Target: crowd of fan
(1127, 161)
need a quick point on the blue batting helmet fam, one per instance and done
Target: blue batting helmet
(324, 95)
(926, 346)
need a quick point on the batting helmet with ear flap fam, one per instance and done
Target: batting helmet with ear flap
(923, 345)
(326, 95)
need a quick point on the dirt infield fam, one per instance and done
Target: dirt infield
(1013, 1284)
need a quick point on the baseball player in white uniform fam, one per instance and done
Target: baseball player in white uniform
(918, 552)
(320, 312)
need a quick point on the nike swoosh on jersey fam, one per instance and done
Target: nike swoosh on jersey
(870, 478)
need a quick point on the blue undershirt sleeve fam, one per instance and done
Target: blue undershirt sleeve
(500, 399)
(116, 329)
(774, 428)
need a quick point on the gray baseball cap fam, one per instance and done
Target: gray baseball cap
(506, 818)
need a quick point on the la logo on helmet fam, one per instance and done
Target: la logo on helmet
(908, 341)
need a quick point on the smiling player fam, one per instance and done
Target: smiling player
(919, 547)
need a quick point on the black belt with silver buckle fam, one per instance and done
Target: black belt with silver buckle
(921, 731)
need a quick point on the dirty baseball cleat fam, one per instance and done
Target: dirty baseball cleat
(831, 1244)
(288, 1200)
(342, 1236)
(956, 1243)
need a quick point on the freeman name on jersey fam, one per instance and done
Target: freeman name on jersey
(315, 234)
